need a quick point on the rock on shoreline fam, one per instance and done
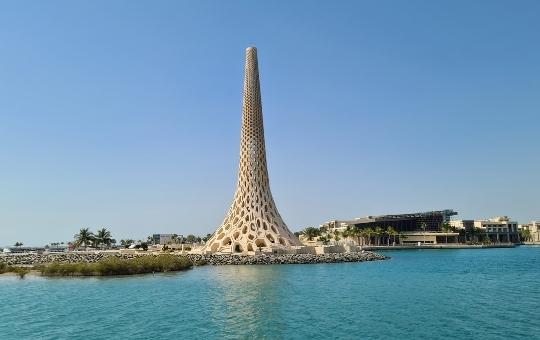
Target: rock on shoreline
(211, 259)
(216, 259)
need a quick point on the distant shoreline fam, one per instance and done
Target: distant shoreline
(441, 246)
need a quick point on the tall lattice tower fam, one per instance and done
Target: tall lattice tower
(253, 220)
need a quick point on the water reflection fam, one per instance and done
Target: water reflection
(249, 299)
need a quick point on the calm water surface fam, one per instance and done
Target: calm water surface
(429, 294)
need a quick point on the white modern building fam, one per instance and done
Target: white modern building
(498, 229)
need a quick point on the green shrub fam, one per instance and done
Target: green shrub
(117, 266)
(4, 268)
(21, 271)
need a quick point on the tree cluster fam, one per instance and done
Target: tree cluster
(85, 238)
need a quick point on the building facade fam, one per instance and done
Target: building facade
(495, 230)
(424, 227)
(162, 239)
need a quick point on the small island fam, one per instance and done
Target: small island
(112, 264)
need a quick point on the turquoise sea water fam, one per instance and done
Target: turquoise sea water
(419, 294)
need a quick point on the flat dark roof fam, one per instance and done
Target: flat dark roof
(396, 217)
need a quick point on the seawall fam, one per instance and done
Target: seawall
(211, 259)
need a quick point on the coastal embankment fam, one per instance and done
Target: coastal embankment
(228, 259)
(197, 259)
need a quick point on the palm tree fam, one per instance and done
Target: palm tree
(525, 234)
(347, 232)
(208, 236)
(466, 233)
(391, 232)
(474, 234)
(357, 234)
(446, 228)
(103, 237)
(487, 240)
(191, 238)
(337, 235)
(462, 234)
(84, 237)
(378, 233)
(311, 232)
(368, 232)
(423, 226)
(18, 244)
(354, 233)
(324, 239)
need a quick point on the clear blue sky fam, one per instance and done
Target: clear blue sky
(126, 114)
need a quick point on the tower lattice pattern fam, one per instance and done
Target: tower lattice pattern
(253, 220)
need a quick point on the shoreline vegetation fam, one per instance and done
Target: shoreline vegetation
(112, 265)
(18, 270)
(108, 266)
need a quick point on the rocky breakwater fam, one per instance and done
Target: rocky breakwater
(229, 259)
(197, 259)
(35, 259)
